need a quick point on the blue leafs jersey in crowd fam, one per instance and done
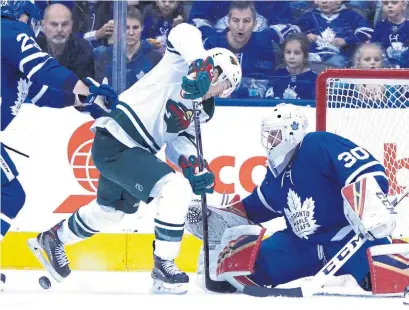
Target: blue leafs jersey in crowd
(141, 63)
(345, 24)
(395, 42)
(258, 58)
(152, 112)
(283, 85)
(308, 194)
(215, 14)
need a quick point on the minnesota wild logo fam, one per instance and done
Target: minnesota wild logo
(301, 215)
(177, 116)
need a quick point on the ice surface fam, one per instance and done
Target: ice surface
(131, 290)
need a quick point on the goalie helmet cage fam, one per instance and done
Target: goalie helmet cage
(371, 108)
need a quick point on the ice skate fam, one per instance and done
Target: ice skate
(55, 260)
(167, 278)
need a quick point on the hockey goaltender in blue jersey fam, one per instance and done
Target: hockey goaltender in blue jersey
(307, 192)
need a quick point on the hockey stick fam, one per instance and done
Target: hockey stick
(211, 285)
(15, 151)
(318, 281)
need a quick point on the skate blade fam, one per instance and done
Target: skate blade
(37, 250)
(160, 287)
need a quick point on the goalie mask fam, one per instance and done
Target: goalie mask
(281, 131)
(228, 71)
(14, 9)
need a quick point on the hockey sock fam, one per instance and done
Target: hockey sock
(174, 195)
(87, 221)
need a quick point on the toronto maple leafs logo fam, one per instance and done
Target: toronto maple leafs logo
(23, 87)
(295, 125)
(325, 40)
(290, 93)
(301, 216)
(177, 116)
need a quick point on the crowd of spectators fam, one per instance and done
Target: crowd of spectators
(281, 45)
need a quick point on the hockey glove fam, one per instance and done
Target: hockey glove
(101, 100)
(201, 182)
(197, 83)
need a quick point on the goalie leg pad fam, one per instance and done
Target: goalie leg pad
(389, 268)
(219, 219)
(240, 246)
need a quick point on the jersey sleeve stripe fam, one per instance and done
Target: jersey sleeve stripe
(36, 68)
(263, 200)
(358, 171)
(174, 52)
(137, 123)
(30, 58)
(374, 174)
(188, 136)
(40, 94)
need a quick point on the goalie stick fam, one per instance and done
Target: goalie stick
(211, 285)
(318, 281)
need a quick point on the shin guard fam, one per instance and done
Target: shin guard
(389, 267)
(240, 247)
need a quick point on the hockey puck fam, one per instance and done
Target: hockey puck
(406, 296)
(45, 283)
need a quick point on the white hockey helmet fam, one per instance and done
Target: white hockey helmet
(229, 68)
(281, 131)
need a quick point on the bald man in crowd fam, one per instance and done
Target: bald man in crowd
(71, 51)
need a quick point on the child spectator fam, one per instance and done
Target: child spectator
(334, 31)
(160, 17)
(295, 80)
(373, 94)
(393, 33)
(141, 57)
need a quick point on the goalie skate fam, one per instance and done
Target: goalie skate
(167, 278)
(55, 261)
(219, 219)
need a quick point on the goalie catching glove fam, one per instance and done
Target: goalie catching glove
(368, 210)
(100, 101)
(219, 219)
(197, 83)
(201, 182)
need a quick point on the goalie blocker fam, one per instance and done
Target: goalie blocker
(374, 218)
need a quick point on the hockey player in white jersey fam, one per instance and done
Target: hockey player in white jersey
(154, 112)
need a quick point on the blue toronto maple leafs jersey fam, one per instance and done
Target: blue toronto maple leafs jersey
(308, 192)
(345, 24)
(24, 63)
(214, 14)
(258, 58)
(283, 85)
(394, 39)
